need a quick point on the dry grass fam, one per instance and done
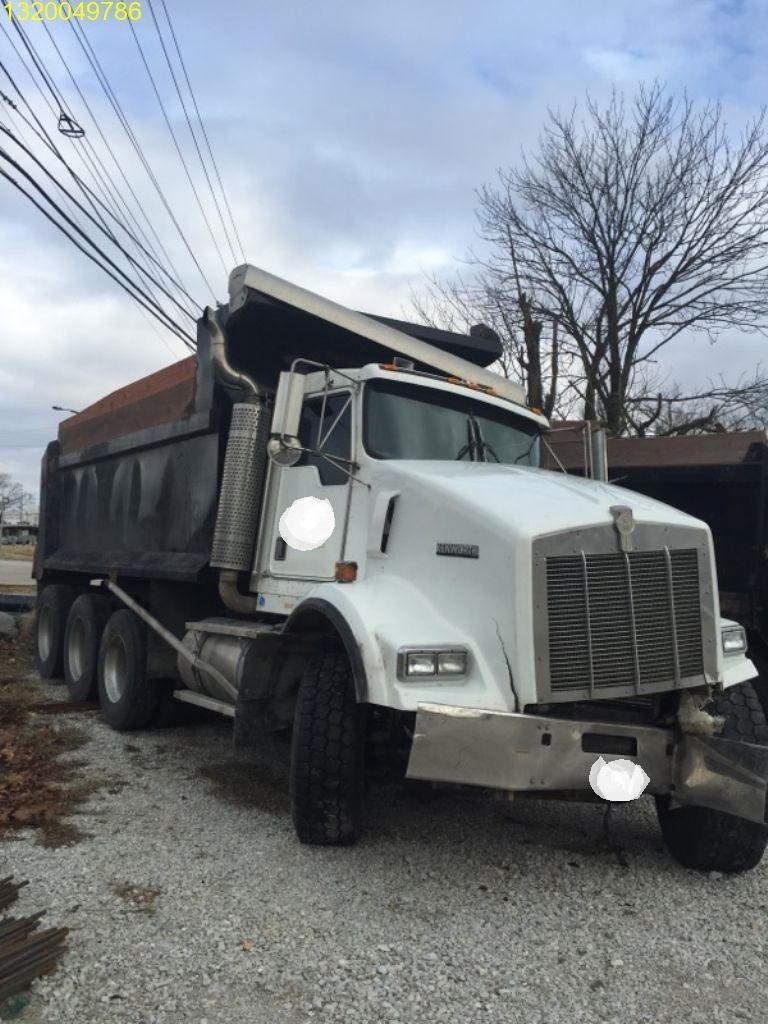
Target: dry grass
(38, 786)
(17, 552)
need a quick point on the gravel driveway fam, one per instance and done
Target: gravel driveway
(189, 899)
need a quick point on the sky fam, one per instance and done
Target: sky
(351, 137)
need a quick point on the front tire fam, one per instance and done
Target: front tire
(698, 837)
(327, 754)
(50, 626)
(128, 699)
(85, 624)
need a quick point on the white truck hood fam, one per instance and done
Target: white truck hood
(525, 501)
(463, 565)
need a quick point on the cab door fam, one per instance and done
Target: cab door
(326, 429)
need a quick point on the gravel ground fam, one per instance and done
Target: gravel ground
(189, 900)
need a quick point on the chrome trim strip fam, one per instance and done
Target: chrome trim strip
(633, 624)
(585, 578)
(673, 620)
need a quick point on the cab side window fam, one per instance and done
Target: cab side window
(337, 443)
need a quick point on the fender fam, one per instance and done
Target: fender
(320, 607)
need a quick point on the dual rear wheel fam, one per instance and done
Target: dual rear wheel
(101, 654)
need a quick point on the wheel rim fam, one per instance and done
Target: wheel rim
(76, 649)
(115, 669)
(44, 632)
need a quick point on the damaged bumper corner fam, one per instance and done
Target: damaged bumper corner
(529, 753)
(726, 775)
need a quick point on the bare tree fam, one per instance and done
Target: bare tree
(531, 351)
(12, 495)
(630, 227)
(719, 406)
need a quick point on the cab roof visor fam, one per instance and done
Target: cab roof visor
(295, 322)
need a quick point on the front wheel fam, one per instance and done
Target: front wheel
(327, 754)
(698, 837)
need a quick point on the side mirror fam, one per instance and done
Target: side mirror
(283, 447)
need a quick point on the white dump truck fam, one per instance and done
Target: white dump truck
(334, 524)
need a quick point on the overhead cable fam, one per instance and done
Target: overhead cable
(192, 132)
(115, 273)
(179, 153)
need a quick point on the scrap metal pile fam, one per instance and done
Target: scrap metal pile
(25, 953)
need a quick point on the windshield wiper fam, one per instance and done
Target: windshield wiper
(485, 447)
(476, 445)
(469, 447)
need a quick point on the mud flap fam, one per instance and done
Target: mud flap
(724, 775)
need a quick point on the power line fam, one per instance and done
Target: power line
(101, 133)
(100, 173)
(111, 237)
(176, 145)
(41, 131)
(120, 169)
(127, 285)
(131, 286)
(191, 131)
(89, 167)
(101, 78)
(92, 198)
(73, 202)
(34, 57)
(108, 203)
(98, 180)
(205, 133)
(15, 117)
(109, 92)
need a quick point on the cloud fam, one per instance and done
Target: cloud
(351, 138)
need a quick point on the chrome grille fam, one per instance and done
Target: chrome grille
(623, 619)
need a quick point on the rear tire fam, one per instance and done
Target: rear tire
(708, 840)
(327, 754)
(50, 626)
(85, 624)
(128, 699)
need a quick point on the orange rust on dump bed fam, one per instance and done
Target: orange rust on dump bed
(161, 397)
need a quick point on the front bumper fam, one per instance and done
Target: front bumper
(529, 753)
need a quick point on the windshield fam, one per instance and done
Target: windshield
(405, 421)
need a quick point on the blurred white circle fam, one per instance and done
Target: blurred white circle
(618, 780)
(307, 523)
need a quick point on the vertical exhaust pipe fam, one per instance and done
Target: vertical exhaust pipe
(242, 484)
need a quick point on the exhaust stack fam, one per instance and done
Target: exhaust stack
(242, 484)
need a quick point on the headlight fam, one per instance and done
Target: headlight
(452, 663)
(734, 640)
(420, 664)
(426, 663)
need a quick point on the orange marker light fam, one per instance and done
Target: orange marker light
(346, 572)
